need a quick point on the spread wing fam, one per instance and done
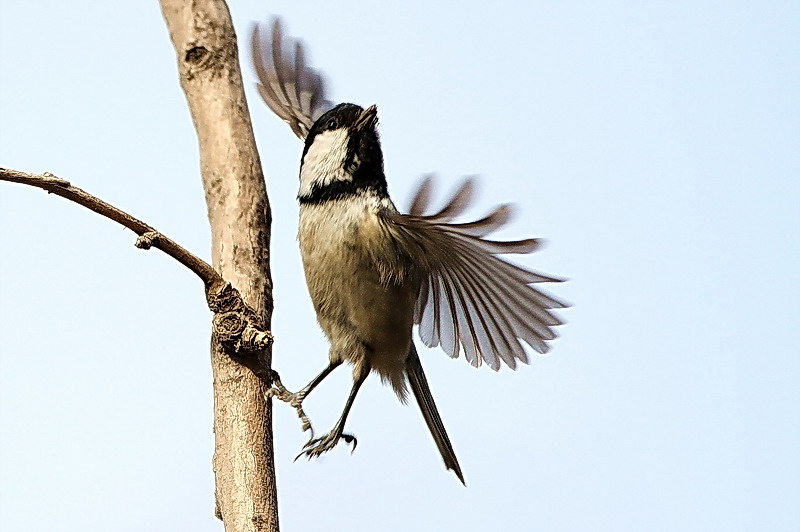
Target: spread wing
(293, 90)
(470, 296)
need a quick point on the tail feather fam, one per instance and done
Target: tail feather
(422, 393)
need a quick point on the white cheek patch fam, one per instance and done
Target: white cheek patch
(324, 161)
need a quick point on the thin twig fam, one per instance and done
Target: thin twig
(234, 322)
(148, 236)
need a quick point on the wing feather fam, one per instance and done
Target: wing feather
(457, 204)
(521, 304)
(488, 224)
(471, 299)
(448, 324)
(290, 88)
(423, 197)
(487, 327)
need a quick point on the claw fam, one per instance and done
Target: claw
(351, 440)
(318, 446)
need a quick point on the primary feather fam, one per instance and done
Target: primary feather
(290, 88)
(470, 297)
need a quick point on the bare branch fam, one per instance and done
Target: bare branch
(246, 338)
(148, 236)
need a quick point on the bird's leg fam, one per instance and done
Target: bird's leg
(279, 391)
(318, 446)
(296, 399)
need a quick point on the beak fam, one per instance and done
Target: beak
(368, 118)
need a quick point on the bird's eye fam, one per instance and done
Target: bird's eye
(332, 123)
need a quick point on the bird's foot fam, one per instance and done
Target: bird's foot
(318, 446)
(295, 400)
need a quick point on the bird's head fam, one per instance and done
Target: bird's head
(342, 154)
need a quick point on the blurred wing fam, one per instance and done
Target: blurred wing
(293, 90)
(470, 297)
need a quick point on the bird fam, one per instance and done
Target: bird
(373, 273)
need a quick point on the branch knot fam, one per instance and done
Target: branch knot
(147, 240)
(235, 324)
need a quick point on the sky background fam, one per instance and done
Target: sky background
(654, 144)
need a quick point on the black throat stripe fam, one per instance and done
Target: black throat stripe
(338, 190)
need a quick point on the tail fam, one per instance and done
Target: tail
(419, 386)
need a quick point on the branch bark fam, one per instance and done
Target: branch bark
(238, 209)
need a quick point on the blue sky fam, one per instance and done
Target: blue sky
(655, 146)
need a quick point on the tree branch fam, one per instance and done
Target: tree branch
(149, 237)
(234, 322)
(238, 209)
